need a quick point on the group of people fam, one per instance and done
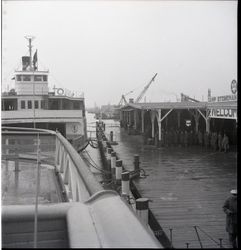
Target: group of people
(217, 141)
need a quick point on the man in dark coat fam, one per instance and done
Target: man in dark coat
(230, 209)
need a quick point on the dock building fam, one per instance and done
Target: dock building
(218, 114)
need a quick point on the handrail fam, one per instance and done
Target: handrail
(87, 177)
(83, 172)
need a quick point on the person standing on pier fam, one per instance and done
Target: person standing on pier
(220, 139)
(225, 143)
(230, 209)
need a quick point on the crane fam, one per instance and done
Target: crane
(123, 99)
(145, 89)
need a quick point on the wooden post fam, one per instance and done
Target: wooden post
(109, 150)
(125, 183)
(178, 118)
(142, 121)
(136, 162)
(113, 164)
(135, 119)
(208, 124)
(111, 136)
(118, 171)
(142, 209)
(152, 124)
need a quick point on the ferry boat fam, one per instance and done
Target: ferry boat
(32, 104)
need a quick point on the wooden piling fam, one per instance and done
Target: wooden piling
(142, 209)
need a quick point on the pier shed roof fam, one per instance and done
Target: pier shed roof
(225, 105)
(166, 105)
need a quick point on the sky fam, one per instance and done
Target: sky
(109, 48)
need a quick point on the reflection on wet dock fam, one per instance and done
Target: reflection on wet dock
(19, 171)
(188, 187)
(19, 187)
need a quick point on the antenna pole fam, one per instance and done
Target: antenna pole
(30, 38)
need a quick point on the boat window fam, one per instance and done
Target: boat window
(76, 105)
(42, 104)
(22, 104)
(36, 104)
(9, 104)
(29, 104)
(38, 78)
(26, 78)
(19, 78)
(45, 78)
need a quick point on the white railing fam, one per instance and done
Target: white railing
(77, 181)
(100, 218)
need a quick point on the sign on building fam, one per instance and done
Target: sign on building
(226, 113)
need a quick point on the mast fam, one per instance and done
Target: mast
(30, 38)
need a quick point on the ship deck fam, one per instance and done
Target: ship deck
(19, 187)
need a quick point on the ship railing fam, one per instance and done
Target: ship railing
(93, 217)
(77, 181)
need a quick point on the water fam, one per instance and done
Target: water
(187, 185)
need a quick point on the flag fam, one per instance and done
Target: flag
(35, 59)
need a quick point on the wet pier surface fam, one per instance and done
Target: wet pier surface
(187, 186)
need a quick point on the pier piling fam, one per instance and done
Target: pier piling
(118, 171)
(111, 136)
(125, 183)
(136, 162)
(142, 209)
(113, 163)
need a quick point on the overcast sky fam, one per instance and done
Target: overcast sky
(108, 48)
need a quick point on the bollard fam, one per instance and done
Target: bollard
(113, 163)
(136, 162)
(142, 209)
(109, 150)
(118, 171)
(187, 245)
(125, 183)
(220, 242)
(111, 136)
(104, 145)
(171, 236)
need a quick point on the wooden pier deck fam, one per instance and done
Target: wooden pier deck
(187, 186)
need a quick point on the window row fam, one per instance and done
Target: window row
(29, 104)
(28, 78)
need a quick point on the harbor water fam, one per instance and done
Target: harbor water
(187, 186)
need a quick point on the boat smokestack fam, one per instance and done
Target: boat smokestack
(25, 62)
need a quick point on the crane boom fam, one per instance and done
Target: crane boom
(122, 100)
(145, 89)
(187, 98)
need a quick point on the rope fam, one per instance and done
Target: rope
(210, 237)
(198, 237)
(95, 166)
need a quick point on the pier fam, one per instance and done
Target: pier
(187, 187)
